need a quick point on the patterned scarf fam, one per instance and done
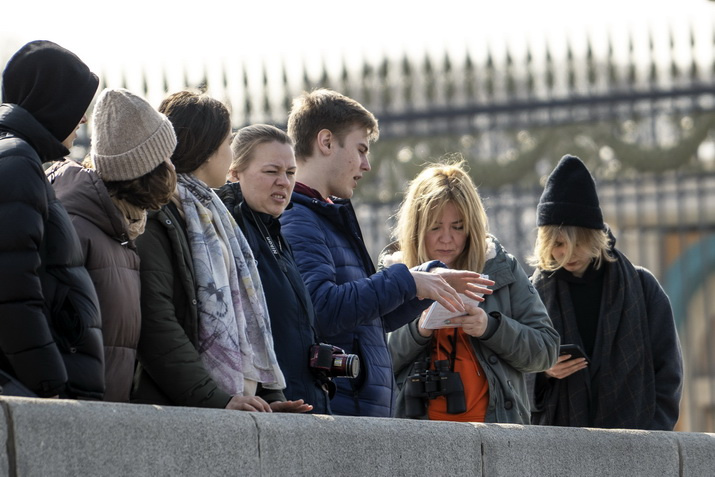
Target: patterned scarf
(617, 390)
(235, 341)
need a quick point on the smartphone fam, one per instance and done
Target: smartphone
(574, 350)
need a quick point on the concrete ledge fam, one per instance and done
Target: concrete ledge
(537, 450)
(4, 457)
(76, 438)
(53, 437)
(323, 445)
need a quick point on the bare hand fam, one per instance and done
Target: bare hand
(291, 406)
(565, 367)
(475, 323)
(465, 282)
(426, 332)
(432, 286)
(248, 403)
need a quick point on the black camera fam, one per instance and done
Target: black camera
(425, 384)
(333, 361)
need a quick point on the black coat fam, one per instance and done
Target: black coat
(289, 304)
(635, 376)
(50, 327)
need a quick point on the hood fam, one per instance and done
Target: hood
(51, 83)
(83, 194)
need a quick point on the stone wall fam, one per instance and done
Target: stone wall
(71, 438)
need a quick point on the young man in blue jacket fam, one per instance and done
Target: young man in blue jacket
(355, 305)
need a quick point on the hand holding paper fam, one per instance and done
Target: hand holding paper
(471, 284)
(439, 317)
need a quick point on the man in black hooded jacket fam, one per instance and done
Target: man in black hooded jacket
(50, 327)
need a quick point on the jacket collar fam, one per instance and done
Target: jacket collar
(83, 193)
(17, 120)
(232, 197)
(310, 192)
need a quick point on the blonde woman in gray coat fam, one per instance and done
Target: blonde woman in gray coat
(484, 355)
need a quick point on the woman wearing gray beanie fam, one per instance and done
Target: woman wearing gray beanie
(615, 312)
(127, 172)
(206, 336)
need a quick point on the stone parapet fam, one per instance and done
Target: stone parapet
(76, 438)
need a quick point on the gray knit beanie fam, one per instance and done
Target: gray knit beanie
(129, 137)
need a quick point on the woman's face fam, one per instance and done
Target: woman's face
(213, 171)
(446, 238)
(579, 260)
(267, 183)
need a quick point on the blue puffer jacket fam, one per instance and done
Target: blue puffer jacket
(354, 306)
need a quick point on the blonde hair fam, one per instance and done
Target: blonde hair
(594, 241)
(248, 138)
(427, 195)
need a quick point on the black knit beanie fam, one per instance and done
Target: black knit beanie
(569, 197)
(51, 83)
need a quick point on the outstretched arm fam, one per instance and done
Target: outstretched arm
(343, 294)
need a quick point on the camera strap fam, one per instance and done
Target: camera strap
(453, 355)
(263, 230)
(452, 339)
(280, 258)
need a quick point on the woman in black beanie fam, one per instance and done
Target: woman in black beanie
(617, 313)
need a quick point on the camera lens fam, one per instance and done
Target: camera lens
(347, 365)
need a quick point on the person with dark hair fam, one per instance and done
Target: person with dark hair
(355, 305)
(261, 180)
(128, 171)
(50, 326)
(631, 374)
(205, 335)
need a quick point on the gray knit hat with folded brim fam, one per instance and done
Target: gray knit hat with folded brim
(129, 137)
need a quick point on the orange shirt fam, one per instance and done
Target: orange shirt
(476, 387)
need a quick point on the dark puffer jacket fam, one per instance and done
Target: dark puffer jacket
(112, 262)
(354, 306)
(289, 305)
(50, 326)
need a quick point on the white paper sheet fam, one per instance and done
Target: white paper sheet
(437, 314)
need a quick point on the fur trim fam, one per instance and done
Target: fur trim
(491, 248)
(392, 258)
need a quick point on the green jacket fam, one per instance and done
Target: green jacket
(170, 370)
(521, 340)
